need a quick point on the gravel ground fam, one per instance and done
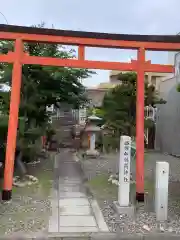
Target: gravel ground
(98, 170)
(29, 210)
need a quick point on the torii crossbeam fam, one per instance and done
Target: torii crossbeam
(81, 39)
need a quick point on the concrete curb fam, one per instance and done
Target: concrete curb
(96, 236)
(99, 216)
(84, 178)
(160, 236)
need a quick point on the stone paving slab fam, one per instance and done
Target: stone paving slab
(77, 221)
(66, 194)
(73, 202)
(78, 210)
(70, 182)
(70, 188)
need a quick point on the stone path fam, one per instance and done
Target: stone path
(72, 210)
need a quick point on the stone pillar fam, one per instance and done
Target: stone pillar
(161, 190)
(124, 171)
(122, 206)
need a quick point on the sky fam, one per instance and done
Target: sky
(112, 16)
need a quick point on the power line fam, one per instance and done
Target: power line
(4, 17)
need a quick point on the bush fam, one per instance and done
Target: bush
(110, 143)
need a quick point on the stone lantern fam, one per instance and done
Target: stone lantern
(92, 129)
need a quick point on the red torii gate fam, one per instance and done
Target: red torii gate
(81, 39)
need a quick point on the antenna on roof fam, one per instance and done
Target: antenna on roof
(4, 17)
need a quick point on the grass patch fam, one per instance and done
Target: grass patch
(44, 172)
(104, 190)
(101, 188)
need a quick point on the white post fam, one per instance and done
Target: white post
(124, 171)
(161, 190)
(92, 141)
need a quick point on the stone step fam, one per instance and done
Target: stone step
(62, 124)
(64, 142)
(70, 187)
(77, 222)
(75, 211)
(64, 136)
(65, 194)
(83, 229)
(64, 131)
(65, 128)
(74, 202)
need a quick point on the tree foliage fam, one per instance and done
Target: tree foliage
(42, 86)
(178, 87)
(119, 104)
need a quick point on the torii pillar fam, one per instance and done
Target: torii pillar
(140, 126)
(13, 121)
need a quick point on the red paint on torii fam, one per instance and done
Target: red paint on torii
(82, 40)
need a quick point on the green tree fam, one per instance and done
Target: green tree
(41, 87)
(119, 104)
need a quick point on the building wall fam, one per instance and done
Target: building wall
(113, 78)
(96, 96)
(168, 118)
(171, 58)
(152, 78)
